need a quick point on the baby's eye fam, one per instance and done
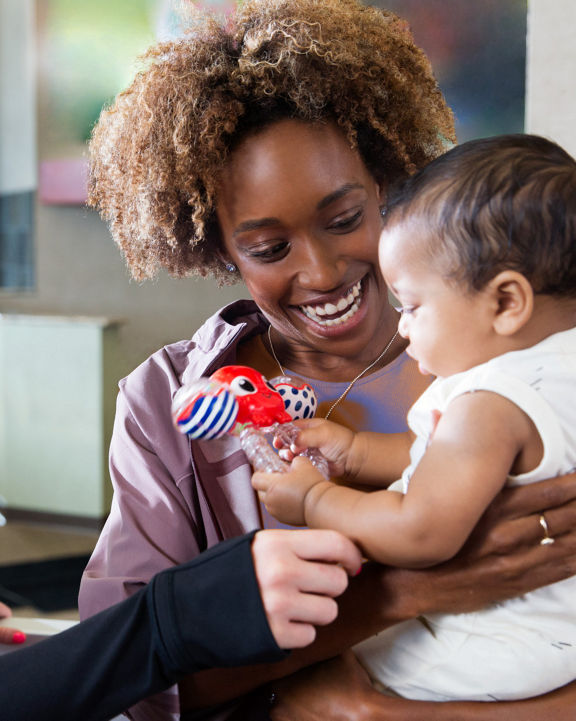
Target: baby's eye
(407, 309)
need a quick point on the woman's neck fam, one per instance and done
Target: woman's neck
(304, 361)
(318, 364)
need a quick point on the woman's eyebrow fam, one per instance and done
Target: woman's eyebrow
(247, 225)
(339, 193)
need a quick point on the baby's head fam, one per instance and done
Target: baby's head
(474, 241)
(494, 204)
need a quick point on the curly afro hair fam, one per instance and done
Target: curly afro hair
(157, 152)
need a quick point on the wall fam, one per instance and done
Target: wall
(551, 69)
(17, 97)
(79, 270)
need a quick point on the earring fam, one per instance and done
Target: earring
(383, 211)
(231, 268)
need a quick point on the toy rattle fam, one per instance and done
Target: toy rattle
(241, 401)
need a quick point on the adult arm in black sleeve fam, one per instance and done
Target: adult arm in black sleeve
(202, 614)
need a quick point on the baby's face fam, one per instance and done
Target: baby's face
(447, 327)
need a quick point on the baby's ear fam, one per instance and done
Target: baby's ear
(513, 301)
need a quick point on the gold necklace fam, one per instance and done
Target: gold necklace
(351, 384)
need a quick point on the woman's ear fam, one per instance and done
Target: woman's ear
(226, 261)
(513, 301)
(222, 256)
(382, 190)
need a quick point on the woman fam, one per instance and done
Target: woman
(262, 149)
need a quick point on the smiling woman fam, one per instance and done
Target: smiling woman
(262, 148)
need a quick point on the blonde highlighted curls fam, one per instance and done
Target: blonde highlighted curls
(156, 154)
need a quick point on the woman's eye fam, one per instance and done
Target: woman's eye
(271, 252)
(407, 309)
(347, 223)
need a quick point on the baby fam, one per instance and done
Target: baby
(479, 248)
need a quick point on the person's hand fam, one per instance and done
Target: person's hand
(284, 494)
(299, 574)
(9, 635)
(331, 439)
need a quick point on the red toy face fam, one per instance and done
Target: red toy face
(259, 403)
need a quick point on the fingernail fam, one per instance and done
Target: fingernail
(18, 637)
(358, 571)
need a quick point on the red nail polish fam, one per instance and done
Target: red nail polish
(18, 637)
(358, 571)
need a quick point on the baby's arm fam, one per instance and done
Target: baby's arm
(475, 444)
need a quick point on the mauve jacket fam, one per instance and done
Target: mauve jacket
(172, 498)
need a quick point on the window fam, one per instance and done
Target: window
(16, 241)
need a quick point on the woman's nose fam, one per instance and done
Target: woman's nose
(322, 266)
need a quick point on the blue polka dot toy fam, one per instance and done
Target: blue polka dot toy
(298, 396)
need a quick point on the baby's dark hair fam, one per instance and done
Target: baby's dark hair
(157, 153)
(493, 204)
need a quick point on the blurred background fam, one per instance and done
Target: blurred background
(72, 323)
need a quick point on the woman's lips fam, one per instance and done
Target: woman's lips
(336, 313)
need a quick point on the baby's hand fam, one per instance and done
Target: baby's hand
(284, 494)
(332, 440)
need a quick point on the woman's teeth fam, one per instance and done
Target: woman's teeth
(347, 305)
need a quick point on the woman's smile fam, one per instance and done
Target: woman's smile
(337, 311)
(341, 314)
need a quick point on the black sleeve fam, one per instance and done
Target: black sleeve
(206, 613)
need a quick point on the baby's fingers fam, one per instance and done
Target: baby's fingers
(262, 481)
(287, 454)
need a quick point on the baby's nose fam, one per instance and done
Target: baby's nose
(403, 326)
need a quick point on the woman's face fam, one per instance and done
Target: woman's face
(299, 216)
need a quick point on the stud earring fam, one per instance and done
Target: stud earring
(231, 268)
(382, 211)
